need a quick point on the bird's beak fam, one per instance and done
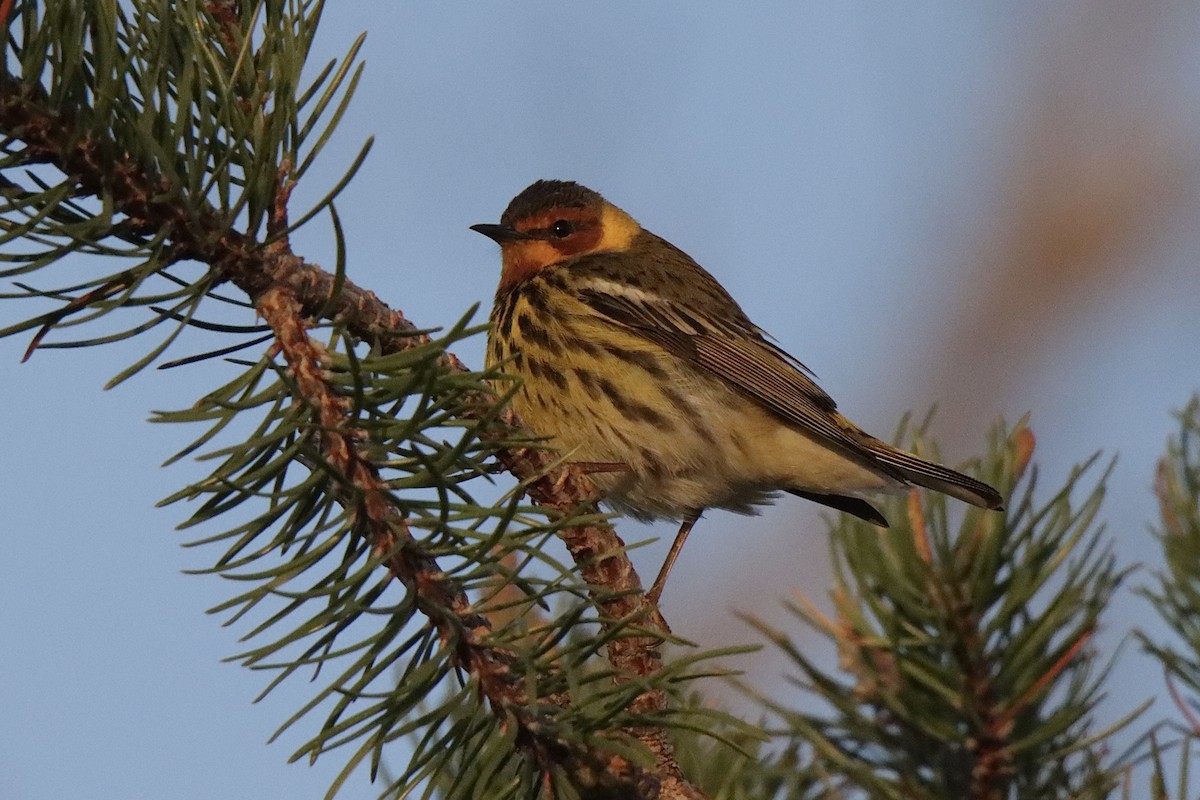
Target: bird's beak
(501, 234)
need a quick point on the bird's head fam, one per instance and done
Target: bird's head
(555, 221)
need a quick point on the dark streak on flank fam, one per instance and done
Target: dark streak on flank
(582, 345)
(620, 435)
(704, 433)
(639, 358)
(540, 371)
(739, 443)
(677, 400)
(609, 391)
(537, 334)
(588, 380)
(654, 466)
(646, 414)
(632, 408)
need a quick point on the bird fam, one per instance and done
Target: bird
(640, 369)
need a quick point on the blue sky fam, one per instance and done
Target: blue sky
(883, 188)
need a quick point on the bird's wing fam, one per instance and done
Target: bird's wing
(736, 352)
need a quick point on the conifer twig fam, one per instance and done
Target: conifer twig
(286, 290)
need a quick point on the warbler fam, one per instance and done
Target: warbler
(643, 370)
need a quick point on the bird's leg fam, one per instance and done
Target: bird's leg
(661, 581)
(601, 466)
(589, 468)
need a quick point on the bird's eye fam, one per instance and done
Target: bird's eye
(561, 229)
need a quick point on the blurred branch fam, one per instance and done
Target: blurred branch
(1096, 167)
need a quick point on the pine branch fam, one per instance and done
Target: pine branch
(288, 292)
(968, 659)
(1177, 594)
(438, 598)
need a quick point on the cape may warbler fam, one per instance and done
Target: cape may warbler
(647, 374)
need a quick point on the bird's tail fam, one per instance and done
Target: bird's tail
(936, 477)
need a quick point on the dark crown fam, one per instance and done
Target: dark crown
(544, 195)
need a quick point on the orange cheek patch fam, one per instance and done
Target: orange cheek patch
(582, 241)
(523, 259)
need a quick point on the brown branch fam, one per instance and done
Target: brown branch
(604, 565)
(437, 597)
(286, 290)
(992, 767)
